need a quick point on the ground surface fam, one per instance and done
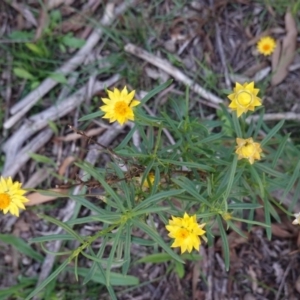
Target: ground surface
(211, 42)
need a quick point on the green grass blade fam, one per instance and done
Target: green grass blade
(64, 226)
(225, 243)
(127, 248)
(236, 125)
(21, 246)
(187, 185)
(155, 91)
(272, 133)
(116, 240)
(280, 150)
(48, 280)
(93, 115)
(231, 177)
(157, 238)
(157, 197)
(292, 181)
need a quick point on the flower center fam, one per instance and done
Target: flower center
(183, 234)
(121, 108)
(4, 201)
(266, 47)
(248, 150)
(244, 98)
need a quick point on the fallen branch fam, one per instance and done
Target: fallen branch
(24, 105)
(39, 121)
(23, 156)
(174, 72)
(276, 117)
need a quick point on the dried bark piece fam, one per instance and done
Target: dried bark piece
(288, 48)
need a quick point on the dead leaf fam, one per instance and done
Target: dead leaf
(278, 230)
(287, 53)
(37, 198)
(257, 38)
(75, 136)
(63, 167)
(42, 23)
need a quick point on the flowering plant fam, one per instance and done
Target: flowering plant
(196, 177)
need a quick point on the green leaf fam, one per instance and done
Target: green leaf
(188, 185)
(225, 243)
(155, 198)
(22, 73)
(64, 226)
(231, 177)
(267, 217)
(269, 171)
(292, 181)
(157, 238)
(48, 280)
(212, 137)
(42, 159)
(115, 278)
(8, 293)
(179, 268)
(21, 246)
(280, 150)
(272, 133)
(236, 125)
(35, 49)
(58, 77)
(73, 42)
(112, 253)
(93, 115)
(92, 171)
(188, 164)
(21, 35)
(52, 237)
(156, 90)
(127, 248)
(235, 206)
(156, 258)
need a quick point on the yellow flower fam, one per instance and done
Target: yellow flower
(186, 232)
(244, 98)
(118, 107)
(150, 179)
(248, 149)
(11, 196)
(227, 216)
(297, 220)
(266, 45)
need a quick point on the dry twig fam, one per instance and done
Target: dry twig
(39, 121)
(24, 105)
(171, 70)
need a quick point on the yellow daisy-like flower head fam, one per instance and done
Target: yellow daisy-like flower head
(244, 98)
(186, 232)
(297, 220)
(11, 196)
(246, 148)
(266, 45)
(118, 107)
(150, 179)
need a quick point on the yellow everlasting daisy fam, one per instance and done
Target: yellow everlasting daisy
(246, 148)
(11, 196)
(244, 98)
(186, 232)
(118, 107)
(150, 179)
(266, 45)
